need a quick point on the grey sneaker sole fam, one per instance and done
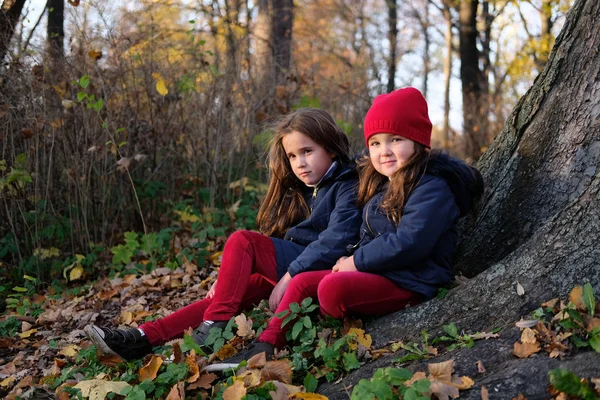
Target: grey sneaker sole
(219, 367)
(99, 341)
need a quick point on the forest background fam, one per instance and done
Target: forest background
(150, 116)
(133, 140)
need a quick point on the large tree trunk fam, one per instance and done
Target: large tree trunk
(9, 16)
(282, 24)
(538, 225)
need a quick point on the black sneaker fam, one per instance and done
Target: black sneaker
(128, 344)
(203, 330)
(232, 362)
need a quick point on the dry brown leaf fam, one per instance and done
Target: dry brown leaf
(123, 164)
(562, 396)
(417, 376)
(520, 397)
(528, 323)
(441, 371)
(235, 391)
(528, 336)
(277, 371)
(484, 335)
(97, 389)
(526, 349)
(284, 391)
(463, 382)
(192, 364)
(110, 360)
(205, 382)
(189, 267)
(107, 294)
(244, 326)
(74, 3)
(61, 393)
(594, 323)
(94, 54)
(432, 350)
(550, 303)
(443, 390)
(8, 381)
(178, 357)
(576, 297)
(150, 370)
(480, 367)
(9, 368)
(555, 353)
(350, 323)
(177, 392)
(257, 360)
(226, 351)
(484, 393)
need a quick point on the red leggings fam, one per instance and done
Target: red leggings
(247, 275)
(340, 294)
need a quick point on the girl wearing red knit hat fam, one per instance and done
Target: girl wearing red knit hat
(412, 199)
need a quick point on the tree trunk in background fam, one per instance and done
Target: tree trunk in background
(427, 38)
(263, 55)
(538, 226)
(9, 17)
(282, 23)
(392, 6)
(470, 75)
(56, 31)
(447, 73)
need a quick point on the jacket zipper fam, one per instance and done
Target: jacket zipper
(314, 196)
(367, 222)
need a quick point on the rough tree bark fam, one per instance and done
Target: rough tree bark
(538, 226)
(56, 31)
(392, 6)
(9, 16)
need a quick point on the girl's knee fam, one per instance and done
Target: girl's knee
(238, 239)
(331, 295)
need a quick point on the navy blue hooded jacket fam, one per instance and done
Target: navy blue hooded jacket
(334, 223)
(417, 253)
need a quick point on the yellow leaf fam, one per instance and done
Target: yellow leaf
(528, 336)
(69, 351)
(463, 383)
(307, 396)
(361, 338)
(526, 349)
(126, 317)
(216, 258)
(95, 54)
(74, 3)
(8, 381)
(244, 326)
(97, 389)
(161, 88)
(150, 370)
(28, 333)
(225, 351)
(235, 391)
(75, 273)
(57, 123)
(576, 297)
(251, 378)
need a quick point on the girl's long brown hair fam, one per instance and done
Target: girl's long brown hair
(284, 206)
(401, 183)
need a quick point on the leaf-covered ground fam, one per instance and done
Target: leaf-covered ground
(44, 352)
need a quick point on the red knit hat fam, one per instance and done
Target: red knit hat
(402, 112)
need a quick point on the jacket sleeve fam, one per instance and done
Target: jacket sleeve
(342, 230)
(430, 211)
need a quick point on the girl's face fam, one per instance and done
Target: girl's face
(389, 152)
(308, 159)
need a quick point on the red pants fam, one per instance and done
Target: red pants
(340, 294)
(247, 275)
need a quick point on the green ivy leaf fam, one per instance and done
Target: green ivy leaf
(297, 329)
(306, 302)
(451, 330)
(295, 308)
(588, 298)
(350, 361)
(310, 383)
(595, 343)
(84, 81)
(569, 383)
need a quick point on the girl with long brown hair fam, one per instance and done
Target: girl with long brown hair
(307, 219)
(412, 199)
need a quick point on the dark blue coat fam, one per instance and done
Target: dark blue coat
(334, 223)
(417, 253)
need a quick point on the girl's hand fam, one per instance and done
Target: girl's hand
(345, 265)
(342, 258)
(211, 291)
(278, 291)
